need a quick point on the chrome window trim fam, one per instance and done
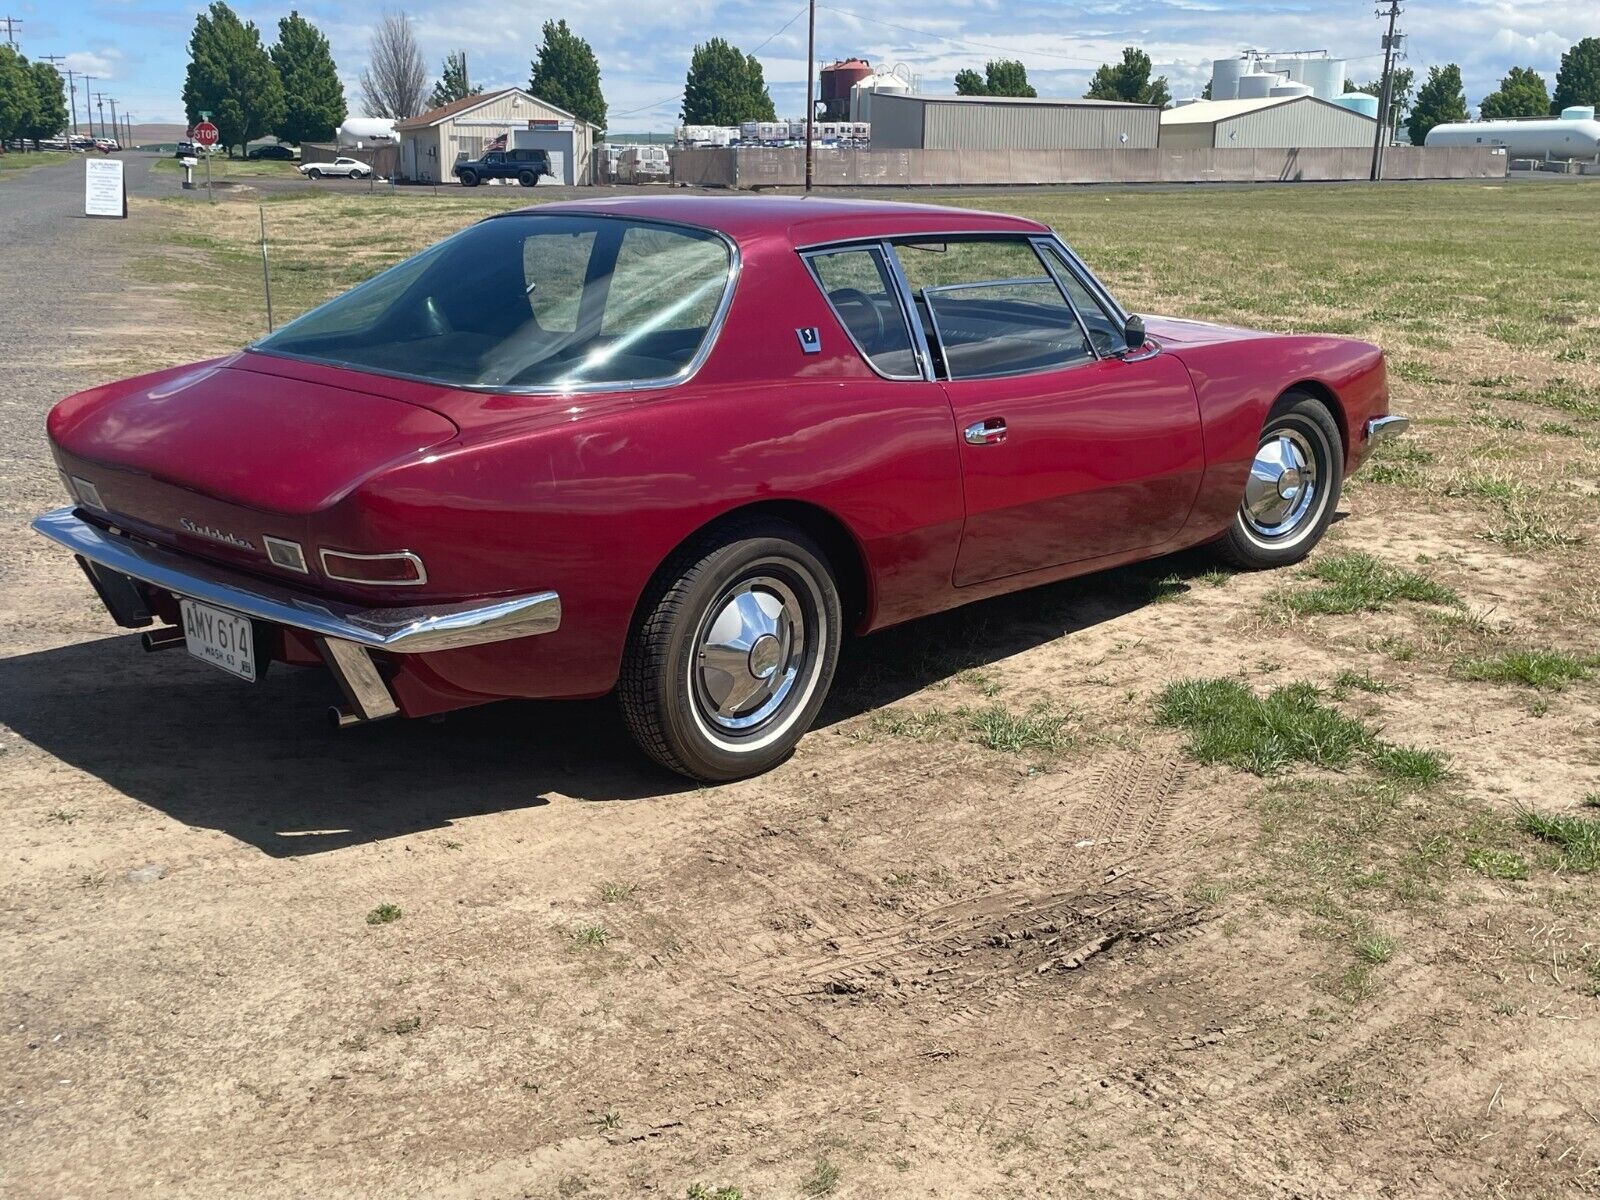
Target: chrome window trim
(1087, 277)
(422, 571)
(929, 235)
(1038, 245)
(683, 375)
(908, 304)
(807, 256)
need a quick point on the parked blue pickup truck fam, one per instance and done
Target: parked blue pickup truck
(525, 166)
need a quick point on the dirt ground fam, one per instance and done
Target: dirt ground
(501, 956)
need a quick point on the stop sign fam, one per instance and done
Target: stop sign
(205, 133)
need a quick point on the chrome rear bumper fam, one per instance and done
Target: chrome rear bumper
(1381, 429)
(417, 630)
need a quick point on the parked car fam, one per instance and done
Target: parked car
(677, 447)
(281, 153)
(345, 168)
(525, 166)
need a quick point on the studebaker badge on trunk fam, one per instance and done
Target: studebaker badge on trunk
(676, 448)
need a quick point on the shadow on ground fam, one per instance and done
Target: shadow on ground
(260, 764)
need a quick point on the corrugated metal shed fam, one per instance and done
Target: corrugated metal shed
(431, 142)
(916, 122)
(1301, 122)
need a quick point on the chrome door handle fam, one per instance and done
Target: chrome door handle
(986, 433)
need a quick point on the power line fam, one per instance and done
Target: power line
(11, 30)
(954, 41)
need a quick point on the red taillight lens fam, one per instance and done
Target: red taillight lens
(398, 569)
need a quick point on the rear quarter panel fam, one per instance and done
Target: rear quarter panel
(1238, 381)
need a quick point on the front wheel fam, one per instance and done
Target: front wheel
(1293, 487)
(469, 179)
(733, 653)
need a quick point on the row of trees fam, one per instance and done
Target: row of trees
(33, 102)
(564, 72)
(290, 90)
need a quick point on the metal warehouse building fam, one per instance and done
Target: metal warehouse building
(431, 142)
(914, 122)
(1273, 123)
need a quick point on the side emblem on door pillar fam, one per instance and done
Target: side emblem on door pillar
(810, 339)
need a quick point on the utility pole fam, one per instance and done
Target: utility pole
(116, 130)
(11, 30)
(72, 91)
(88, 102)
(100, 103)
(1391, 43)
(127, 128)
(811, 74)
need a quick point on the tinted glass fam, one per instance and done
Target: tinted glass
(528, 301)
(993, 306)
(858, 286)
(1105, 331)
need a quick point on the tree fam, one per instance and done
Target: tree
(231, 76)
(725, 86)
(18, 97)
(970, 83)
(394, 83)
(1129, 81)
(314, 106)
(565, 73)
(1205, 92)
(49, 116)
(1578, 80)
(1403, 83)
(1007, 77)
(1522, 93)
(453, 84)
(1440, 99)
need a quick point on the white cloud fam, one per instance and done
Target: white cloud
(102, 65)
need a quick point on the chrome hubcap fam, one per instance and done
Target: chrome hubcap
(1282, 488)
(751, 648)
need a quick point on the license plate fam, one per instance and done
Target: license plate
(221, 638)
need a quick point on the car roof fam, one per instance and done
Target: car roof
(807, 221)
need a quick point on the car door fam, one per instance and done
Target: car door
(1069, 451)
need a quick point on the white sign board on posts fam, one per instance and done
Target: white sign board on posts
(103, 194)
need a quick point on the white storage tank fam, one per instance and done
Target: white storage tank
(1324, 76)
(1578, 112)
(897, 81)
(1554, 138)
(1225, 74)
(1258, 85)
(1359, 102)
(359, 132)
(1284, 91)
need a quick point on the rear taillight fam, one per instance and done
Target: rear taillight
(400, 569)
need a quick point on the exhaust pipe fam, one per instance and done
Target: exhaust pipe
(164, 638)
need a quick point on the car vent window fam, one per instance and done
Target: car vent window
(531, 301)
(1105, 331)
(859, 289)
(995, 309)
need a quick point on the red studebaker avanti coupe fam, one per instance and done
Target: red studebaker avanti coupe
(676, 447)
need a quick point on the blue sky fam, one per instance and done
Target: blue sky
(137, 48)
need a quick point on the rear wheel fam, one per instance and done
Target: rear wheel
(1293, 487)
(734, 652)
(527, 179)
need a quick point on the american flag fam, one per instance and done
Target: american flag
(498, 144)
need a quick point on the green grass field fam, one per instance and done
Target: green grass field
(19, 161)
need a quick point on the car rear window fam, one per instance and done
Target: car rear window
(532, 302)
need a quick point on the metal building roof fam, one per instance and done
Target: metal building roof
(1054, 101)
(1209, 112)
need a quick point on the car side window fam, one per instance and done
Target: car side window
(554, 267)
(862, 295)
(1105, 331)
(663, 285)
(993, 307)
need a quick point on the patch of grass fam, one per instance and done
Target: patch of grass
(615, 893)
(824, 1178)
(1576, 838)
(699, 1191)
(1551, 669)
(1404, 765)
(1497, 864)
(1375, 948)
(1525, 528)
(1564, 394)
(590, 936)
(1350, 681)
(403, 1026)
(984, 680)
(1591, 800)
(1215, 577)
(63, 816)
(1227, 723)
(923, 726)
(1483, 487)
(384, 914)
(610, 1119)
(1355, 582)
(1558, 429)
(999, 728)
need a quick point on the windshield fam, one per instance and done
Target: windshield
(529, 301)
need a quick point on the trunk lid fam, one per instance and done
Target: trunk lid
(280, 443)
